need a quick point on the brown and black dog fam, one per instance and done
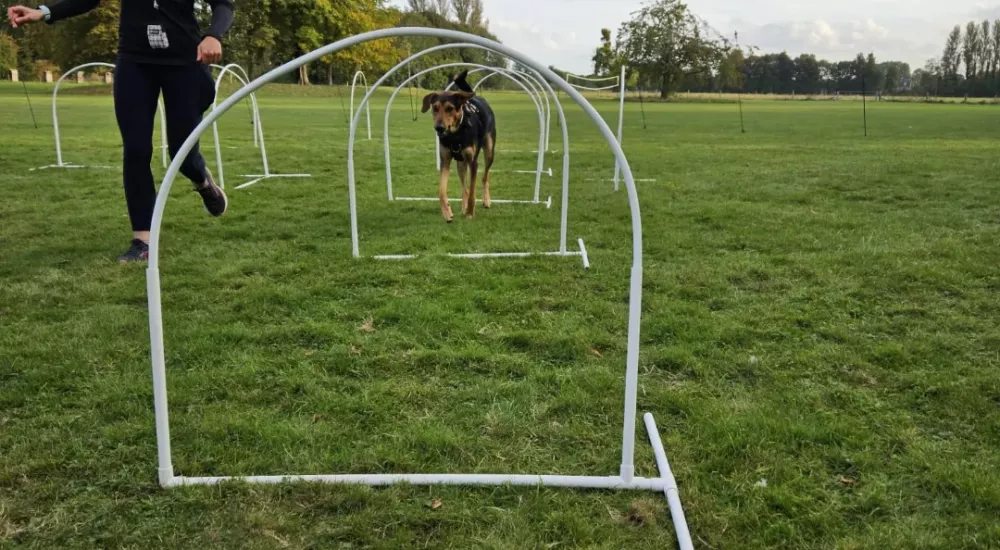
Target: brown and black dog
(465, 125)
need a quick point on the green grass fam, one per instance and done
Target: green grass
(820, 312)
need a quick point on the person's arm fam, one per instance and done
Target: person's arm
(21, 15)
(64, 9)
(222, 19)
(210, 49)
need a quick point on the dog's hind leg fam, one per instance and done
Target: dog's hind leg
(443, 185)
(488, 150)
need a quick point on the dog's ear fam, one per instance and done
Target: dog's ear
(428, 99)
(461, 98)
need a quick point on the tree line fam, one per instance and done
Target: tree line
(268, 33)
(667, 48)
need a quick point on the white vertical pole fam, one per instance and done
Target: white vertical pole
(385, 147)
(165, 466)
(55, 120)
(621, 121)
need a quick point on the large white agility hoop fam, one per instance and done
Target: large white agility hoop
(625, 479)
(354, 84)
(55, 122)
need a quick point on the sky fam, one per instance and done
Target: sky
(565, 33)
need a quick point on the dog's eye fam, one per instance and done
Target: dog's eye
(449, 109)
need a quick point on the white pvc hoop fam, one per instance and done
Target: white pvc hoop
(55, 120)
(254, 114)
(539, 92)
(258, 131)
(541, 122)
(625, 479)
(593, 80)
(621, 107)
(232, 69)
(406, 62)
(564, 217)
(354, 84)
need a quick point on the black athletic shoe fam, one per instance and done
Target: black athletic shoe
(214, 197)
(138, 252)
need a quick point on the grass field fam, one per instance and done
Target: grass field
(820, 335)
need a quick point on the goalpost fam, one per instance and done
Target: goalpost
(624, 479)
(60, 163)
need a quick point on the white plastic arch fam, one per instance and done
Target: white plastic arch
(625, 479)
(406, 63)
(55, 122)
(354, 84)
(240, 74)
(620, 84)
(540, 92)
(232, 68)
(541, 132)
(596, 81)
(535, 93)
(254, 113)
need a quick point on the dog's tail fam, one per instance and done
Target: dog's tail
(461, 83)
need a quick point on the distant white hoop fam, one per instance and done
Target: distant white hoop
(55, 122)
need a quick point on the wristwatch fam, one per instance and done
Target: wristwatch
(46, 12)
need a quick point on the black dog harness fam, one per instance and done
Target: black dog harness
(455, 142)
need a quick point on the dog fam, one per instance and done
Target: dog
(465, 125)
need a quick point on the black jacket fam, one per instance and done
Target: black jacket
(144, 23)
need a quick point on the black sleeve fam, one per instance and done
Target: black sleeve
(64, 9)
(222, 18)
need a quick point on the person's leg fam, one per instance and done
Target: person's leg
(135, 93)
(188, 91)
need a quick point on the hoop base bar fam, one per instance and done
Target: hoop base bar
(582, 253)
(259, 178)
(547, 203)
(71, 166)
(574, 482)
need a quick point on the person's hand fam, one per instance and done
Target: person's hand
(210, 50)
(21, 15)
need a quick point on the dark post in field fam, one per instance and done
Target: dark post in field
(30, 108)
(864, 103)
(642, 108)
(739, 89)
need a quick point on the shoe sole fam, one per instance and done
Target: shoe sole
(225, 204)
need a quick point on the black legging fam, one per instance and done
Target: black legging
(188, 91)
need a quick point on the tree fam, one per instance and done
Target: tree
(807, 74)
(786, 73)
(604, 58)
(970, 49)
(731, 71)
(442, 8)
(476, 17)
(986, 65)
(8, 53)
(420, 5)
(951, 58)
(663, 41)
(463, 10)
